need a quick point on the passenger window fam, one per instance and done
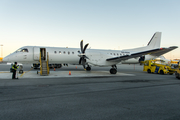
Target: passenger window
(68, 53)
(114, 54)
(72, 52)
(117, 54)
(59, 52)
(55, 52)
(64, 52)
(111, 53)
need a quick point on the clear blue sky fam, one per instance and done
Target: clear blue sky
(104, 24)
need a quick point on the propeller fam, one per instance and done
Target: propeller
(82, 55)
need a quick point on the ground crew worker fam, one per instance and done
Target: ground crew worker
(14, 68)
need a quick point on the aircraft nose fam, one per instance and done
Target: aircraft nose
(5, 59)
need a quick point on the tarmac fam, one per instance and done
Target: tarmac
(55, 74)
(67, 72)
(131, 94)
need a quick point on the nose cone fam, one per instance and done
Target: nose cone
(5, 59)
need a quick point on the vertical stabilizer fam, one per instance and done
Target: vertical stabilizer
(155, 40)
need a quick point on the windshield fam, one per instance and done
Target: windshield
(22, 50)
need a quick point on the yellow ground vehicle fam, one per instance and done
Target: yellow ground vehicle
(154, 66)
(177, 73)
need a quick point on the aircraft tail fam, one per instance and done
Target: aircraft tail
(155, 41)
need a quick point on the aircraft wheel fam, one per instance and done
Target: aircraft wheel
(59, 66)
(20, 71)
(149, 71)
(113, 71)
(88, 68)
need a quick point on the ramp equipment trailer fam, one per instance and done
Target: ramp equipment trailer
(154, 66)
(177, 73)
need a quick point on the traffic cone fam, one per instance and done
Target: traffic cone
(76, 67)
(69, 72)
(54, 69)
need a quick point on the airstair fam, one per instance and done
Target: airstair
(44, 68)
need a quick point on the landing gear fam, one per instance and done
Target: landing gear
(88, 68)
(113, 70)
(21, 69)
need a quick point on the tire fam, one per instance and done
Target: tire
(59, 66)
(177, 76)
(20, 71)
(162, 72)
(113, 71)
(148, 71)
(88, 68)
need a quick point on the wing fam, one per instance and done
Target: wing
(166, 50)
(154, 52)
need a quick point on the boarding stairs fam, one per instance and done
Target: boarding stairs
(44, 68)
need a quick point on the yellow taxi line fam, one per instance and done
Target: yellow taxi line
(4, 72)
(25, 72)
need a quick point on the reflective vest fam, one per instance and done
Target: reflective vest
(15, 67)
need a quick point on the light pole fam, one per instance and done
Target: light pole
(1, 50)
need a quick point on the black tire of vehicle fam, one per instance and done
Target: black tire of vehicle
(149, 71)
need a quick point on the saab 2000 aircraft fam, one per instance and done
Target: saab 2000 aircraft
(90, 57)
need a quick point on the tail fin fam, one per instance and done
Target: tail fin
(155, 40)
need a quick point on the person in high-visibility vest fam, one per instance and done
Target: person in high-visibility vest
(14, 68)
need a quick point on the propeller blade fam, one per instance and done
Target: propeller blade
(83, 62)
(85, 48)
(81, 45)
(82, 55)
(80, 60)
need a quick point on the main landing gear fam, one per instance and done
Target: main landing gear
(113, 70)
(88, 68)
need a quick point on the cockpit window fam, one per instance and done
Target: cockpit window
(22, 50)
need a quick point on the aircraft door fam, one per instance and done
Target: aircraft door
(43, 53)
(36, 53)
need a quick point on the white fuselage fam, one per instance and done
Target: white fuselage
(70, 56)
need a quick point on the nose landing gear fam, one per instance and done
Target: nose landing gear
(21, 69)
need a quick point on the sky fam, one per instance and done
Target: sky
(104, 24)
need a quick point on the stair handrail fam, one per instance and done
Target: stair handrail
(40, 63)
(47, 62)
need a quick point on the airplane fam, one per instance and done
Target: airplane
(90, 57)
